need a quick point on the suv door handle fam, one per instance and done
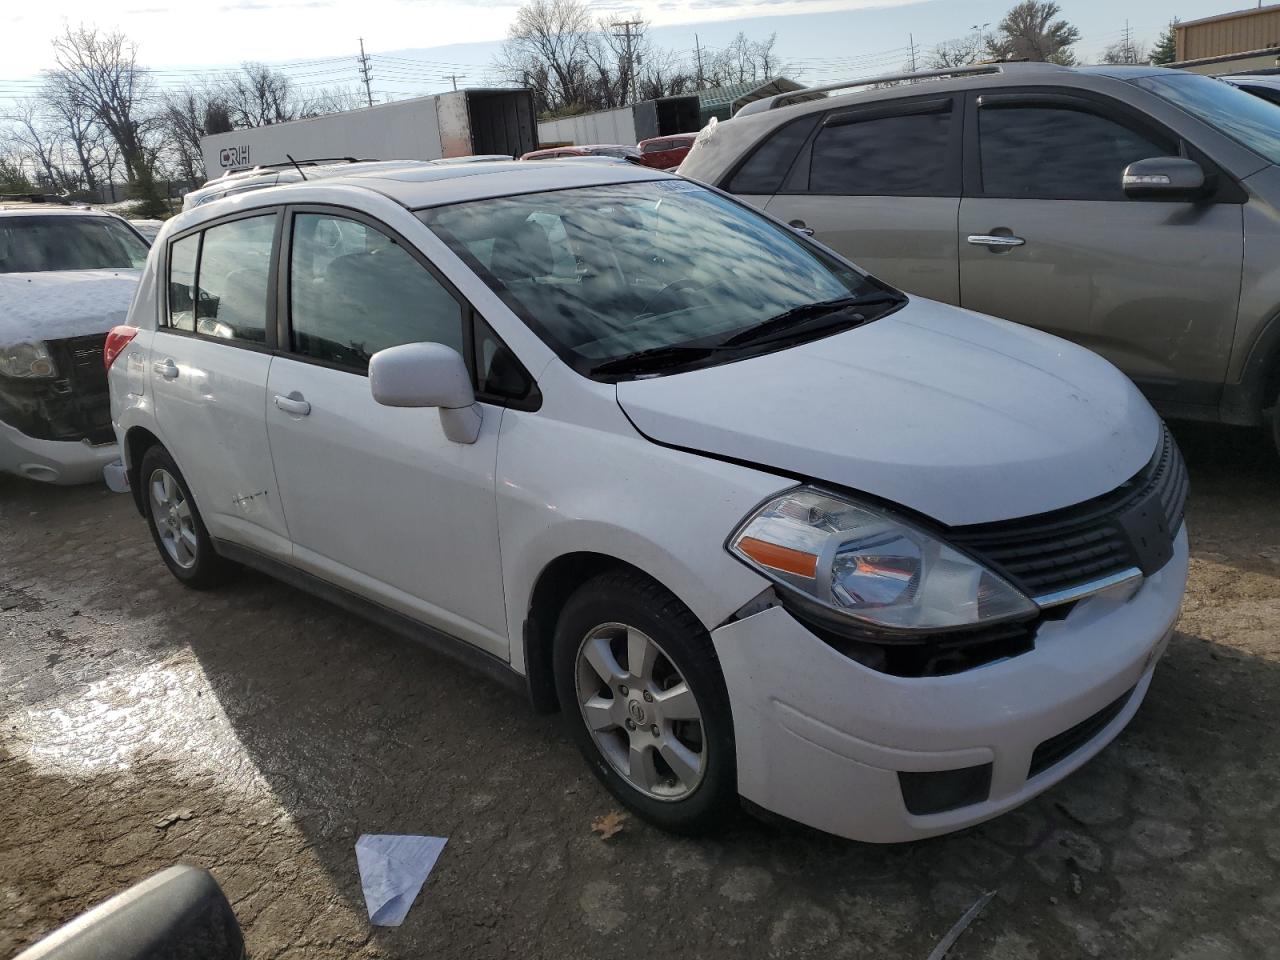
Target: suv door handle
(293, 404)
(799, 226)
(993, 240)
(166, 368)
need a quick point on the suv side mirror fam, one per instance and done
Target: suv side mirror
(1164, 178)
(428, 375)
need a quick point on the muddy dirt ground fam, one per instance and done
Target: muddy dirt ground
(284, 728)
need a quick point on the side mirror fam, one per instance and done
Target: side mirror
(428, 375)
(179, 912)
(1164, 178)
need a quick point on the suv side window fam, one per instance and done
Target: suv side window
(353, 291)
(858, 153)
(764, 169)
(1057, 152)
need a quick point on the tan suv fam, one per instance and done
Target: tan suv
(1108, 205)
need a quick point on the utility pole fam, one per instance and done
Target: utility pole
(630, 79)
(911, 38)
(697, 49)
(454, 78)
(365, 72)
(1130, 54)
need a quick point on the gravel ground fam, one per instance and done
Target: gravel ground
(277, 729)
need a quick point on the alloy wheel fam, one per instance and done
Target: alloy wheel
(641, 712)
(172, 517)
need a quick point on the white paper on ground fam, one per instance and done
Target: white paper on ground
(393, 869)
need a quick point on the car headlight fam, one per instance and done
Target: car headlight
(871, 567)
(26, 361)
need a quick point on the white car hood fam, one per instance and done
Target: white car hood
(962, 417)
(56, 304)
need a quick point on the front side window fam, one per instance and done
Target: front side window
(39, 244)
(902, 156)
(1058, 153)
(354, 291)
(1249, 120)
(657, 264)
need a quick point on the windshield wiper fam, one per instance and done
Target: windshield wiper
(656, 358)
(788, 321)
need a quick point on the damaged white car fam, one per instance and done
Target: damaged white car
(67, 276)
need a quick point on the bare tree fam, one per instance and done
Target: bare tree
(29, 138)
(745, 61)
(13, 175)
(257, 96)
(956, 53)
(1122, 52)
(1030, 32)
(547, 48)
(184, 116)
(100, 72)
(74, 123)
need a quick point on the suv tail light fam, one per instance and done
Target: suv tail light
(117, 340)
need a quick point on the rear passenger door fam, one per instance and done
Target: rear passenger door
(1048, 238)
(880, 183)
(210, 359)
(379, 500)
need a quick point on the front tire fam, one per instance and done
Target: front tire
(642, 693)
(175, 523)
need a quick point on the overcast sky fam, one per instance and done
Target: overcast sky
(420, 42)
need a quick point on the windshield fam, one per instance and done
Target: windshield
(37, 244)
(1249, 120)
(602, 273)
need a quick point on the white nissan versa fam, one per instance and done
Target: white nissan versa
(756, 523)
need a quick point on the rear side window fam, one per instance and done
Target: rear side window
(233, 279)
(1058, 152)
(895, 156)
(219, 280)
(765, 168)
(354, 291)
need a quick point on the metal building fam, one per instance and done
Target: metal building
(1237, 42)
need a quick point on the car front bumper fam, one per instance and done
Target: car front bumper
(53, 461)
(822, 739)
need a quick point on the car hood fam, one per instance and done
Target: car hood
(961, 417)
(56, 304)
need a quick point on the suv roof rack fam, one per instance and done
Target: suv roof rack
(771, 103)
(310, 162)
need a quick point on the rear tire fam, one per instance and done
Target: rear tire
(641, 690)
(175, 523)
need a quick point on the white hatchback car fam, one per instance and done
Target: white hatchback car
(758, 524)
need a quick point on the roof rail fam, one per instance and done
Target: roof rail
(770, 103)
(310, 162)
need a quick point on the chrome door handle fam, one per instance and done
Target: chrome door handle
(799, 226)
(293, 404)
(992, 240)
(166, 368)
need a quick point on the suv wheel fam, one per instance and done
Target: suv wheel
(180, 535)
(641, 690)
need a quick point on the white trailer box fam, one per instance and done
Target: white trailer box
(625, 125)
(454, 124)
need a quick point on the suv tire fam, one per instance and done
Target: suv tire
(643, 696)
(175, 523)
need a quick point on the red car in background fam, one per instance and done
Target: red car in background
(666, 153)
(616, 150)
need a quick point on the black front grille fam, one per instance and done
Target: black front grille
(1057, 748)
(1132, 526)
